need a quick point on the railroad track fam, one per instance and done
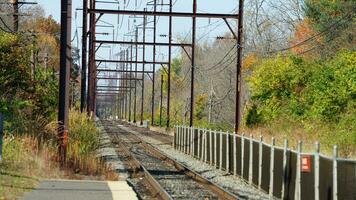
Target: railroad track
(167, 178)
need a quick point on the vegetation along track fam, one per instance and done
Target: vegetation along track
(169, 179)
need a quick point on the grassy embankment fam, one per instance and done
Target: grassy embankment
(31, 157)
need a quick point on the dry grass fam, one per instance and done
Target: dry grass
(29, 158)
(309, 135)
(24, 164)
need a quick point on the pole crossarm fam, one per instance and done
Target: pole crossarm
(121, 90)
(111, 94)
(117, 78)
(112, 87)
(142, 43)
(133, 62)
(123, 71)
(167, 14)
(108, 86)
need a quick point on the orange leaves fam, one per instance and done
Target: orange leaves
(305, 38)
(249, 61)
(47, 25)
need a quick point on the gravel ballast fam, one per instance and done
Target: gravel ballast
(225, 180)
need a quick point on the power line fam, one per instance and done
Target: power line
(6, 26)
(323, 32)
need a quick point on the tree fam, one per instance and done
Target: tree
(15, 76)
(334, 20)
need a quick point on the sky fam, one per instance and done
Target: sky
(207, 29)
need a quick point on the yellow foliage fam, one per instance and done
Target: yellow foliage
(249, 61)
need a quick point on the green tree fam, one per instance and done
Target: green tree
(15, 76)
(335, 21)
(303, 90)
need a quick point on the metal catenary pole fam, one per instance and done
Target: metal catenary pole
(65, 63)
(239, 62)
(15, 5)
(130, 98)
(84, 56)
(143, 67)
(136, 55)
(154, 65)
(169, 63)
(91, 54)
(191, 120)
(93, 65)
(161, 102)
(125, 84)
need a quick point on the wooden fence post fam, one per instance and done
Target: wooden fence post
(199, 142)
(234, 154)
(211, 147)
(181, 138)
(178, 138)
(215, 149)
(250, 169)
(206, 145)
(284, 176)
(221, 150)
(260, 162)
(271, 169)
(242, 154)
(316, 170)
(335, 192)
(298, 175)
(191, 142)
(227, 152)
(203, 146)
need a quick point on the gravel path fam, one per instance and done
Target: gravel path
(108, 152)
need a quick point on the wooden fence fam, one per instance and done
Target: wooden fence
(280, 171)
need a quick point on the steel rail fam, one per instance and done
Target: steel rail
(219, 191)
(160, 192)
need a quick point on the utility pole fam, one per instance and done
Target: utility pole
(65, 63)
(15, 5)
(161, 102)
(127, 97)
(136, 55)
(124, 83)
(154, 65)
(239, 62)
(143, 67)
(191, 120)
(130, 95)
(84, 56)
(92, 71)
(169, 62)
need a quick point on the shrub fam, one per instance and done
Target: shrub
(316, 95)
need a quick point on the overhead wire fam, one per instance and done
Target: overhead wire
(323, 32)
(6, 26)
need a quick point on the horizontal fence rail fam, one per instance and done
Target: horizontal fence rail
(280, 171)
